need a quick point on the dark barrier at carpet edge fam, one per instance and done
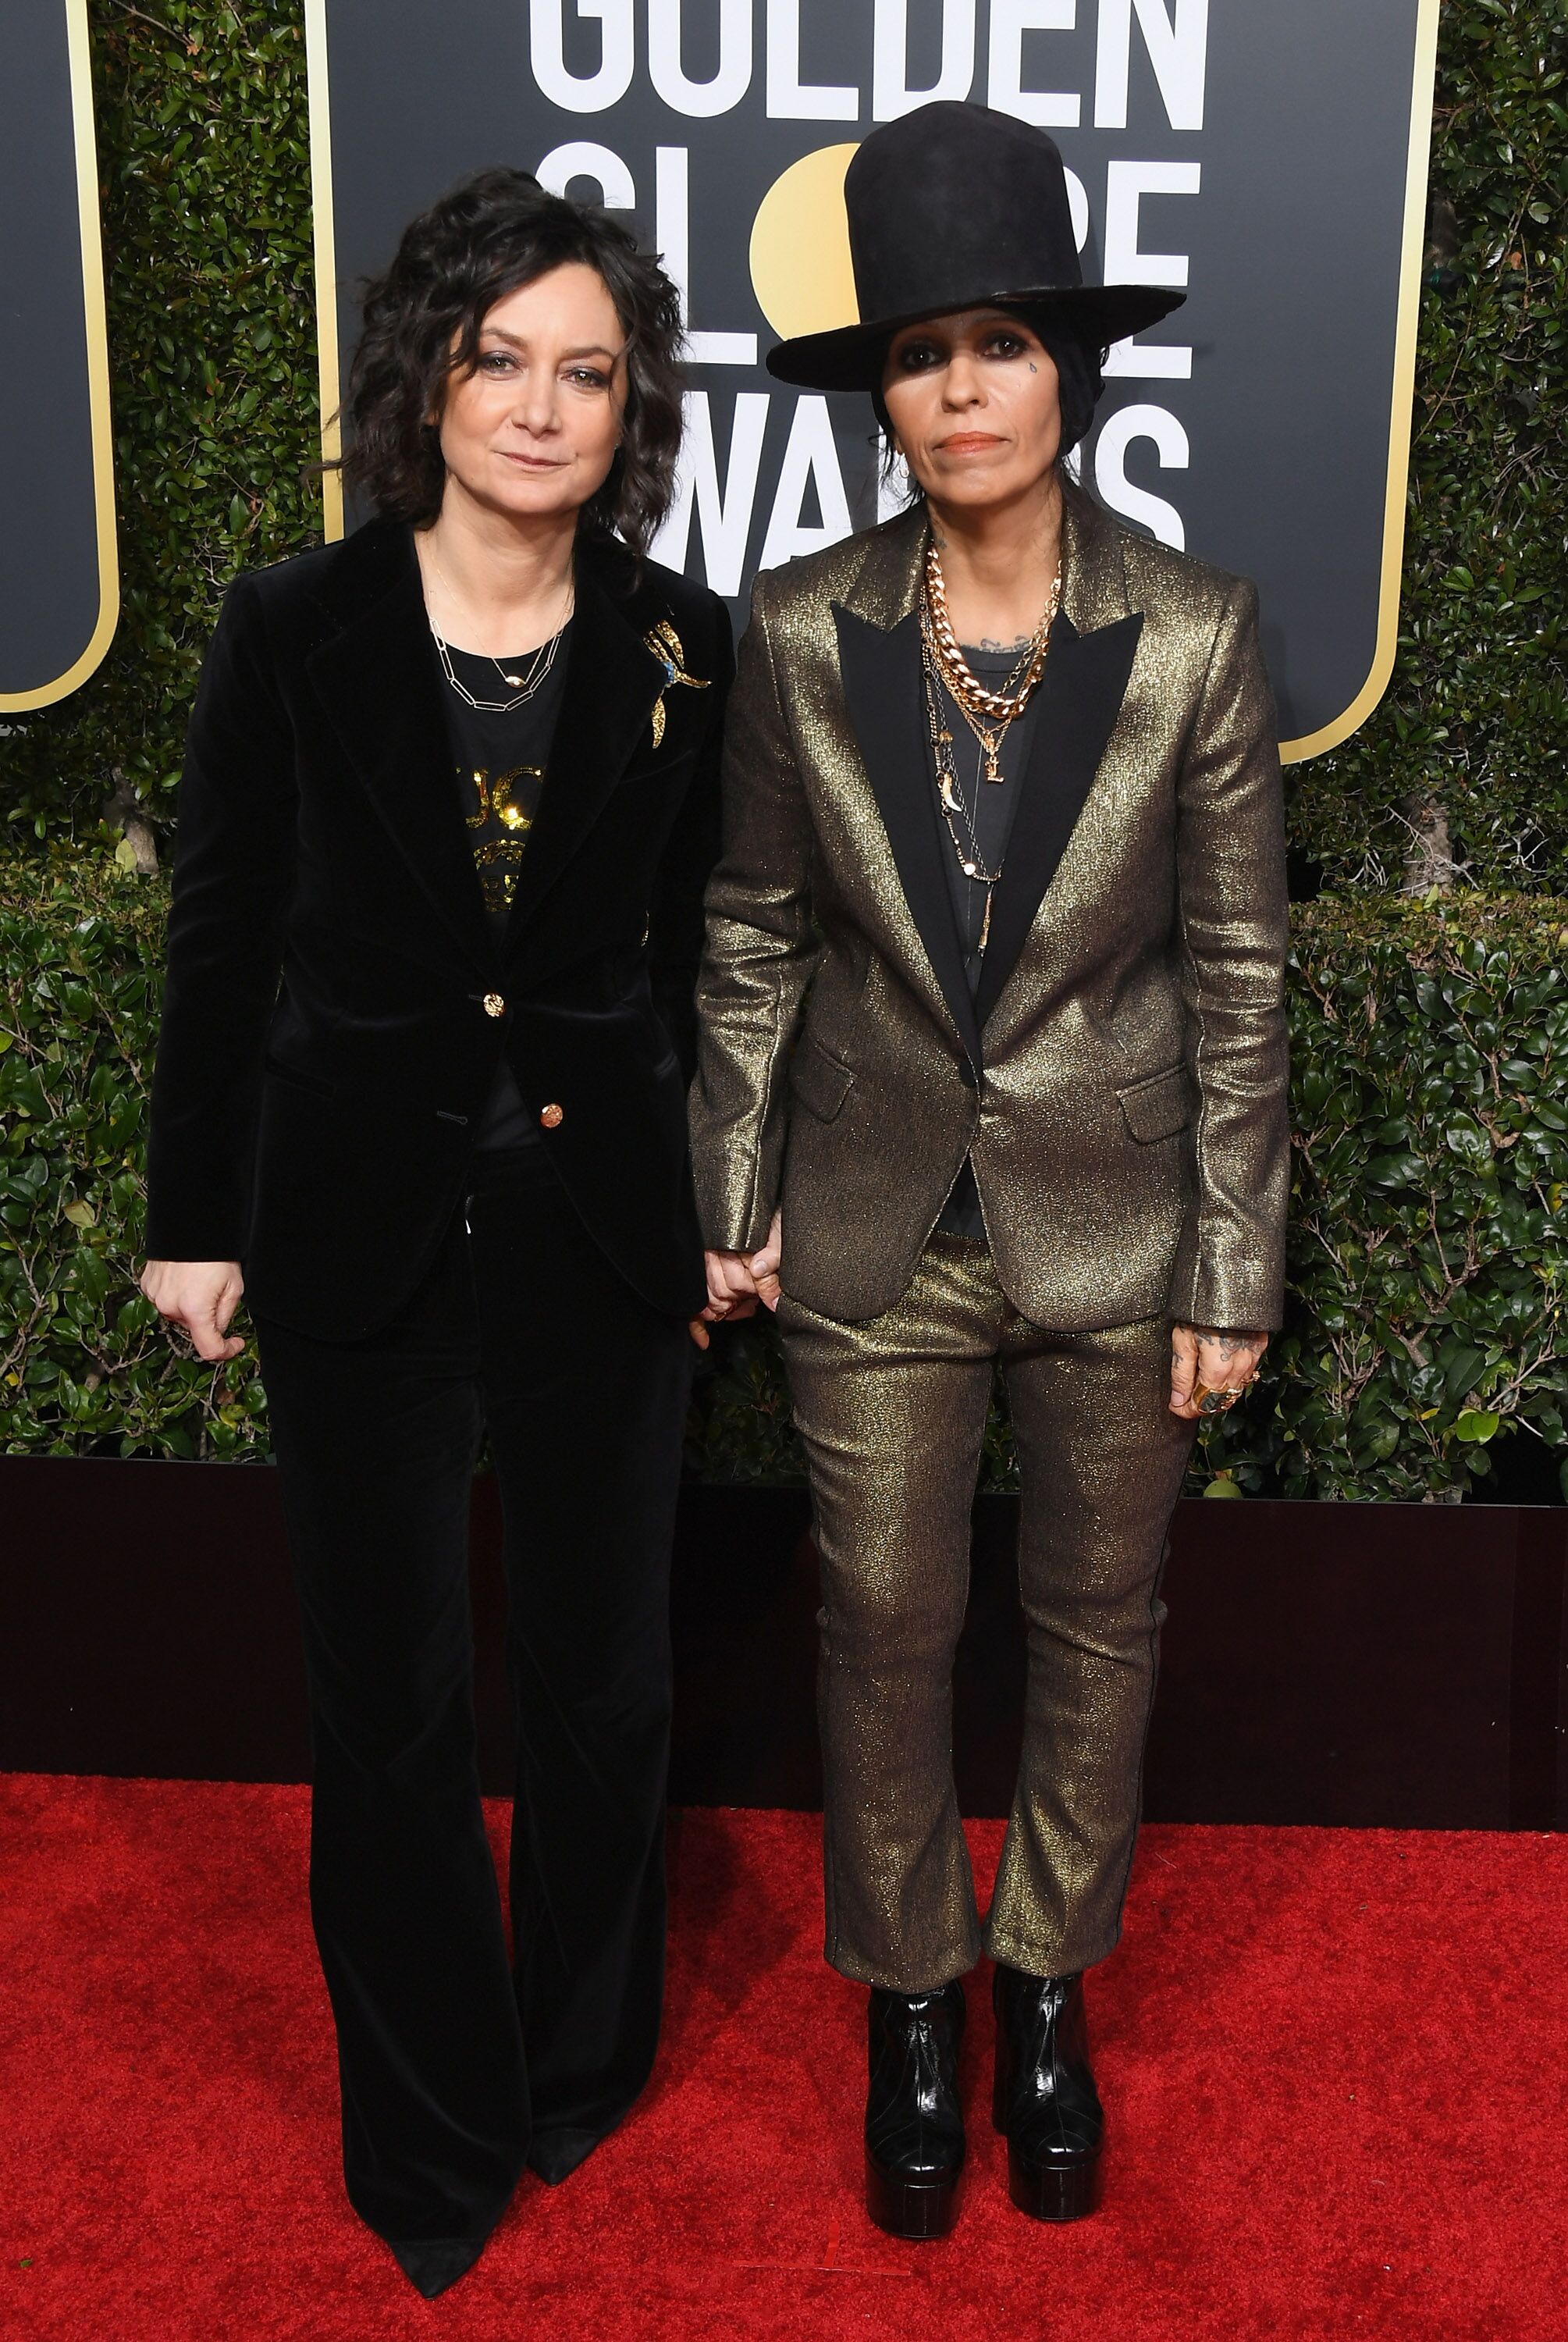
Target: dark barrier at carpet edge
(1393, 1666)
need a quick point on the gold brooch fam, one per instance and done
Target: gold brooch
(665, 645)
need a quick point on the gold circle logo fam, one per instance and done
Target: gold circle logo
(801, 270)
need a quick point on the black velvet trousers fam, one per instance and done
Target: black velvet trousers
(459, 2066)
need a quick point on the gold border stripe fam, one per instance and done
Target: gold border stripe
(1331, 736)
(318, 100)
(97, 335)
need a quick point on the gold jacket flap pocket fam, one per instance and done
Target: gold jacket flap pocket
(819, 1081)
(1158, 1107)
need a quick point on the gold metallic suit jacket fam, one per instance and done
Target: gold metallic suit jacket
(1120, 1079)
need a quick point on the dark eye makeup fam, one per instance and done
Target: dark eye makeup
(999, 341)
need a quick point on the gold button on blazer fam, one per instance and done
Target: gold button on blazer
(1119, 1078)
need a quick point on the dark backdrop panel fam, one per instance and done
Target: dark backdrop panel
(51, 592)
(1294, 238)
(1399, 1665)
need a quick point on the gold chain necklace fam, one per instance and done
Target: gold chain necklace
(951, 797)
(974, 701)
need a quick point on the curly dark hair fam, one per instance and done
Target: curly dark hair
(493, 232)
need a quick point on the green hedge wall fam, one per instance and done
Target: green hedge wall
(1429, 1249)
(1427, 1254)
(203, 159)
(202, 129)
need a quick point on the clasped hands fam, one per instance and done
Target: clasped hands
(1210, 1366)
(737, 1281)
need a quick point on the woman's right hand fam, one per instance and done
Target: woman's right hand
(737, 1281)
(202, 1296)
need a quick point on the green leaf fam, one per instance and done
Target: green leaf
(1475, 1424)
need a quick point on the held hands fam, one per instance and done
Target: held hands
(202, 1296)
(737, 1281)
(1210, 1369)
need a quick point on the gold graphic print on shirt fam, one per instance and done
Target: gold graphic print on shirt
(501, 823)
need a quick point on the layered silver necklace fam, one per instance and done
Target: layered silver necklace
(524, 687)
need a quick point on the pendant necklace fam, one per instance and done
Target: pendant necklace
(950, 798)
(524, 687)
(947, 672)
(987, 713)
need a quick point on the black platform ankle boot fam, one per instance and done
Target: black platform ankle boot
(914, 2124)
(1045, 2102)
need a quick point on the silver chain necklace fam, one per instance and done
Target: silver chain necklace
(523, 686)
(526, 684)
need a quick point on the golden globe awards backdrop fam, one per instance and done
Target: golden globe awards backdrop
(59, 586)
(1270, 155)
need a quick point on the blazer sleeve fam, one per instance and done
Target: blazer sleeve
(675, 912)
(1234, 933)
(761, 950)
(233, 868)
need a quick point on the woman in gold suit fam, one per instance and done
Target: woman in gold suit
(992, 1071)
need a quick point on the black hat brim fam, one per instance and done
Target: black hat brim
(851, 357)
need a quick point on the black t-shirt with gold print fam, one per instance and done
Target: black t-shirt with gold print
(499, 760)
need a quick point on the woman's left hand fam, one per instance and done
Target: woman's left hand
(1210, 1368)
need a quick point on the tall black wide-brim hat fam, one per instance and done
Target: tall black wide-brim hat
(952, 207)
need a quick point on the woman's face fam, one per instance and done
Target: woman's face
(532, 431)
(974, 406)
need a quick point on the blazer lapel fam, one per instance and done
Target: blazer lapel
(879, 665)
(612, 683)
(1079, 699)
(380, 683)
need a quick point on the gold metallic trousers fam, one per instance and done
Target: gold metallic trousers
(892, 1412)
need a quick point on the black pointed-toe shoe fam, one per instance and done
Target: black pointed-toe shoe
(432, 2266)
(1045, 2103)
(914, 2124)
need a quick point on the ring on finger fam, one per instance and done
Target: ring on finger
(1211, 1399)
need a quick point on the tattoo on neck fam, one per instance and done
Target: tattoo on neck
(989, 643)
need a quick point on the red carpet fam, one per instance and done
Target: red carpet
(1335, 2062)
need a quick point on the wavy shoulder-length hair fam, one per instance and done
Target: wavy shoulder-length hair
(492, 233)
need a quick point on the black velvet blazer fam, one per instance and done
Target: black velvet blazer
(337, 1003)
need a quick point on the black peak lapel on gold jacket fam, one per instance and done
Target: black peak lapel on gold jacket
(1093, 643)
(881, 688)
(613, 681)
(379, 681)
(1092, 646)
(1081, 695)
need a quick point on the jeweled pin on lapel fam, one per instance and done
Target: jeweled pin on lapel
(665, 645)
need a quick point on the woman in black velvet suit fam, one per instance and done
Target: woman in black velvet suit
(449, 807)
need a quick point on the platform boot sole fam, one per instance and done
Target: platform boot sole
(1049, 2191)
(917, 2210)
(1054, 2191)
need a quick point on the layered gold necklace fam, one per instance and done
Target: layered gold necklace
(988, 714)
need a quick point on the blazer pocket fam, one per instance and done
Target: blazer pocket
(1160, 1105)
(819, 1081)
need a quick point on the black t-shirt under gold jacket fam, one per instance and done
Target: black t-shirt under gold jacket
(337, 1002)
